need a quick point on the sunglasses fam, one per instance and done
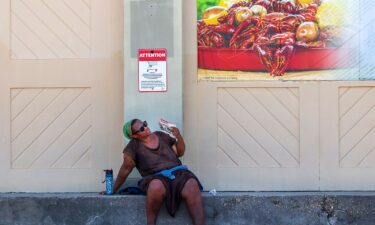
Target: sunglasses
(142, 128)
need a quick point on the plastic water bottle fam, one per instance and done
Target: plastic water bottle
(109, 182)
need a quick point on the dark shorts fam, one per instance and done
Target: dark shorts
(173, 188)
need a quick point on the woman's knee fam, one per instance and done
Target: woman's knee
(156, 187)
(191, 189)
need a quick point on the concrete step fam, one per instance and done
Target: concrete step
(229, 208)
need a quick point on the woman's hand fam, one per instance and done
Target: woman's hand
(180, 145)
(175, 131)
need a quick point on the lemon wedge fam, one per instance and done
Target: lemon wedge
(229, 3)
(223, 3)
(331, 13)
(212, 20)
(305, 1)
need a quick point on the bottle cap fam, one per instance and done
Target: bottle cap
(108, 172)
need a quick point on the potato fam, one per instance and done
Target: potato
(242, 13)
(258, 10)
(307, 31)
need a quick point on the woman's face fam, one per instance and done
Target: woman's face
(140, 129)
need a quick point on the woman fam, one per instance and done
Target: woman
(155, 154)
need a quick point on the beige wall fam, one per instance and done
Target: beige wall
(277, 135)
(61, 79)
(61, 92)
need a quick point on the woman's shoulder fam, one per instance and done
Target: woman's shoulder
(132, 142)
(131, 145)
(160, 133)
(165, 137)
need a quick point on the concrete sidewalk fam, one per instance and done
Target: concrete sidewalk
(247, 208)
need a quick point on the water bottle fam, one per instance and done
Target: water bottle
(108, 182)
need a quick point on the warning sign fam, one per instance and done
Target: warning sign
(152, 70)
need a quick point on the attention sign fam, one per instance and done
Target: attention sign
(152, 70)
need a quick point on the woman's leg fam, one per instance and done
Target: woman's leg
(155, 195)
(193, 199)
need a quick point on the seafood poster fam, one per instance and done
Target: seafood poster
(285, 40)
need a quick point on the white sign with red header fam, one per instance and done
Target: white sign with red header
(152, 70)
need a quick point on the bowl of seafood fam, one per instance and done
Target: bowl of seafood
(271, 35)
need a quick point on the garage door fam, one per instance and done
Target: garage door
(60, 93)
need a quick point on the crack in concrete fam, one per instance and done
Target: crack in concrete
(328, 210)
(92, 220)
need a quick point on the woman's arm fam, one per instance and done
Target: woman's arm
(179, 147)
(126, 168)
